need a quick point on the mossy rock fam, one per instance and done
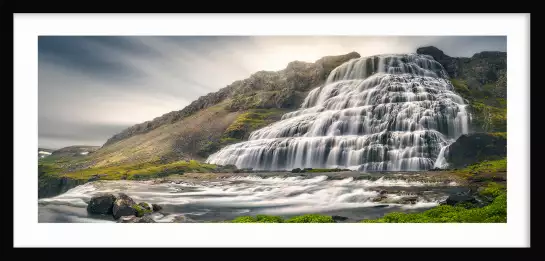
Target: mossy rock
(141, 210)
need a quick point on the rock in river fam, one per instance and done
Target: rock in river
(156, 207)
(101, 204)
(123, 206)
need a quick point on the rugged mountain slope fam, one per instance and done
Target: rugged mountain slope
(219, 118)
(229, 115)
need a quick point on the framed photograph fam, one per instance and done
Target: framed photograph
(313, 131)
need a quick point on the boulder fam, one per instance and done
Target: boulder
(408, 200)
(462, 198)
(339, 218)
(146, 205)
(101, 204)
(142, 209)
(476, 147)
(156, 207)
(123, 206)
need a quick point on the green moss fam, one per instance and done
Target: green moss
(489, 112)
(486, 166)
(460, 87)
(140, 210)
(493, 189)
(244, 219)
(135, 171)
(499, 134)
(251, 120)
(496, 212)
(311, 218)
(489, 118)
(241, 127)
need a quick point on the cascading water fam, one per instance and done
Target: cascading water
(378, 113)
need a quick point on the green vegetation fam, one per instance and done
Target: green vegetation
(252, 120)
(136, 171)
(493, 190)
(486, 166)
(258, 219)
(241, 128)
(489, 118)
(309, 218)
(140, 210)
(499, 134)
(495, 212)
(490, 112)
(460, 87)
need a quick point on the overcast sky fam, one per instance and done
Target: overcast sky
(91, 88)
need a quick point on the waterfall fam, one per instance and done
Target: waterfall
(380, 113)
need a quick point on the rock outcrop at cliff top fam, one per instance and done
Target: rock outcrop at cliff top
(263, 89)
(480, 69)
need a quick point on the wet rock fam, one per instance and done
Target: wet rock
(476, 147)
(380, 206)
(464, 198)
(383, 192)
(123, 206)
(379, 198)
(296, 170)
(182, 219)
(142, 209)
(339, 218)
(145, 205)
(127, 219)
(409, 200)
(101, 204)
(135, 219)
(156, 207)
(146, 219)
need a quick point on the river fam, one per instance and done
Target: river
(355, 196)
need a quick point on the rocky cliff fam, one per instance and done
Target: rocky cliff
(482, 80)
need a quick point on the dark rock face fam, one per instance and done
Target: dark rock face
(476, 147)
(339, 218)
(156, 207)
(101, 204)
(123, 206)
(481, 69)
(264, 89)
(462, 199)
(451, 64)
(53, 186)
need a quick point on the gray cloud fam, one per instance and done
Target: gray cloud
(91, 87)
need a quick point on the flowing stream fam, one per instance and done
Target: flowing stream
(350, 195)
